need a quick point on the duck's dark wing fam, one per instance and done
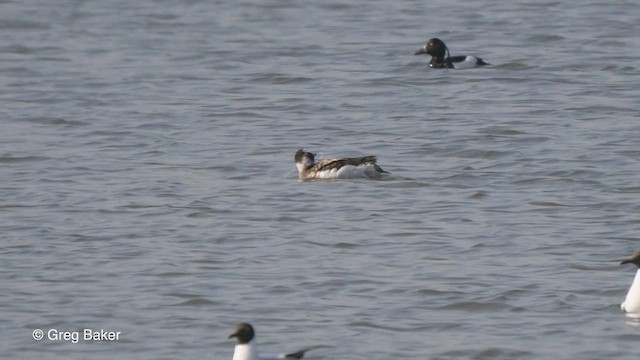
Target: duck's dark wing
(459, 58)
(296, 355)
(338, 163)
(300, 354)
(434, 63)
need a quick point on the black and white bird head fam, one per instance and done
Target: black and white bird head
(635, 259)
(304, 159)
(244, 333)
(434, 47)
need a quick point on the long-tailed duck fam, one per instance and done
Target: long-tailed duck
(343, 168)
(631, 303)
(247, 348)
(437, 49)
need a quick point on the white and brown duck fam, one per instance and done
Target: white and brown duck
(341, 168)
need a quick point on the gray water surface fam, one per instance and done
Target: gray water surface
(148, 184)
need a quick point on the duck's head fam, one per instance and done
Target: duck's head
(635, 259)
(304, 159)
(434, 47)
(244, 333)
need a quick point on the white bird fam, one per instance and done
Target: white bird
(342, 168)
(631, 303)
(247, 348)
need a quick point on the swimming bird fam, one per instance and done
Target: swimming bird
(247, 349)
(342, 168)
(437, 49)
(631, 303)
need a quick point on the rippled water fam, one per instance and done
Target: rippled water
(148, 184)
